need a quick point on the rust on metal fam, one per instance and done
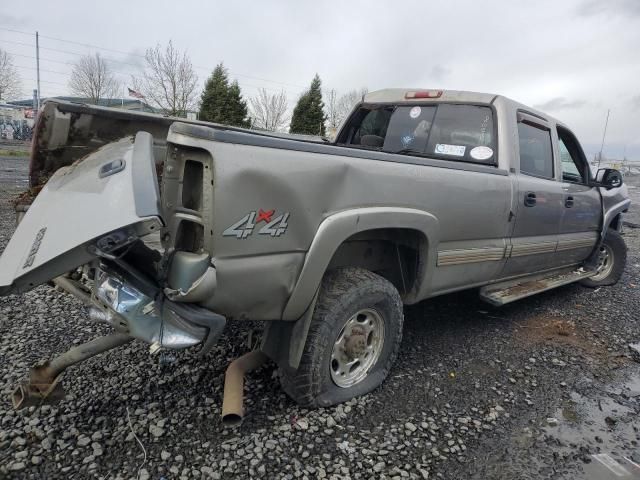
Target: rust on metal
(44, 378)
(233, 397)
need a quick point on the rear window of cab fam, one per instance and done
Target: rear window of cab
(447, 131)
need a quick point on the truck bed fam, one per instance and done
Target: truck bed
(67, 131)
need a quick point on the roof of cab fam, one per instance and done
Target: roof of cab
(397, 95)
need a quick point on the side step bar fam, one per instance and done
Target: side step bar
(506, 292)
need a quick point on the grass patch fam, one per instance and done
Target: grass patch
(13, 153)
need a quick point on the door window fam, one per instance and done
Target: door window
(536, 155)
(572, 162)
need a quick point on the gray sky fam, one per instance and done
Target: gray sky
(573, 58)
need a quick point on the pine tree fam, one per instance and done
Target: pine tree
(215, 97)
(308, 115)
(299, 114)
(222, 101)
(238, 113)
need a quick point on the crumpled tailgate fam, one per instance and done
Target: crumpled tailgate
(112, 189)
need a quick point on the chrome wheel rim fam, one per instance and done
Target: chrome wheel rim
(357, 348)
(605, 263)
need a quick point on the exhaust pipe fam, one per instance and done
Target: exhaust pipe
(70, 287)
(233, 397)
(44, 379)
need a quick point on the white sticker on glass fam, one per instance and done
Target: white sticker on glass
(454, 150)
(415, 112)
(481, 153)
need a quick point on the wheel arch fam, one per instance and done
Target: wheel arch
(611, 217)
(359, 225)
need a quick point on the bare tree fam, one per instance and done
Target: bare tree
(331, 105)
(10, 83)
(92, 78)
(338, 107)
(169, 80)
(346, 102)
(269, 112)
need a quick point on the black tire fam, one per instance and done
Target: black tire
(616, 247)
(343, 293)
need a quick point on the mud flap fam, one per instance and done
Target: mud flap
(284, 341)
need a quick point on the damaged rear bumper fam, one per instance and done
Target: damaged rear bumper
(135, 311)
(145, 313)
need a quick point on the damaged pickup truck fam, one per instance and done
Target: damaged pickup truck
(168, 229)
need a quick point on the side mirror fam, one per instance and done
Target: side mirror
(609, 178)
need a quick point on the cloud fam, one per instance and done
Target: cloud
(560, 103)
(439, 72)
(579, 49)
(635, 102)
(134, 59)
(627, 8)
(14, 21)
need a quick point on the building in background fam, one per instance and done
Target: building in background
(16, 122)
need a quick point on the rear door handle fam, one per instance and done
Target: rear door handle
(568, 202)
(530, 199)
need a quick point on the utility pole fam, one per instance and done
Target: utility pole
(604, 134)
(38, 66)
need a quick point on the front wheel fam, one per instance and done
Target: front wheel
(612, 258)
(353, 339)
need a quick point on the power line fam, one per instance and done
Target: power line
(33, 57)
(127, 74)
(58, 61)
(121, 72)
(46, 81)
(67, 52)
(291, 94)
(88, 45)
(43, 70)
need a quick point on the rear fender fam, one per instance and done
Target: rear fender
(334, 230)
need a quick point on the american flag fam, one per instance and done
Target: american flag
(134, 93)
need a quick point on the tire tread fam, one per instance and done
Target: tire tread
(304, 384)
(619, 247)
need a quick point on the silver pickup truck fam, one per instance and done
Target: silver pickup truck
(167, 229)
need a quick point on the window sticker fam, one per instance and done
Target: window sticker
(481, 153)
(483, 130)
(453, 150)
(415, 112)
(407, 140)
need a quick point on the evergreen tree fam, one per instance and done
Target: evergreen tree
(308, 115)
(215, 97)
(299, 114)
(222, 101)
(238, 113)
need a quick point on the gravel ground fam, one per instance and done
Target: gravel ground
(530, 390)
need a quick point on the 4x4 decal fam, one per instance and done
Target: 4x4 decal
(246, 225)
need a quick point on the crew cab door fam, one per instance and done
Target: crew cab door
(582, 209)
(107, 199)
(539, 205)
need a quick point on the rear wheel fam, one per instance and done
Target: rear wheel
(612, 258)
(353, 339)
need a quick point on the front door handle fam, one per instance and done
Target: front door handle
(568, 202)
(530, 199)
